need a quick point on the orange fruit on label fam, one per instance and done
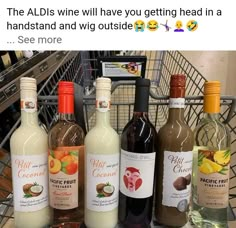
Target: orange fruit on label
(71, 168)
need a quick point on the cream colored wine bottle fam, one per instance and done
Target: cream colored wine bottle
(102, 164)
(29, 163)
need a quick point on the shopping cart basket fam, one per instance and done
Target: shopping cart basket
(82, 69)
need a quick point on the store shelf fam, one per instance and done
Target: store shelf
(39, 66)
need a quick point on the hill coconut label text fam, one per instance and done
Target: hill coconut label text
(213, 178)
(30, 182)
(102, 182)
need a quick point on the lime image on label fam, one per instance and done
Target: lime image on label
(192, 25)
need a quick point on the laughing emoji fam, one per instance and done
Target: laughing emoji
(139, 26)
(152, 25)
(192, 25)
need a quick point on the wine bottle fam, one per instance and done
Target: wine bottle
(15, 56)
(174, 160)
(29, 163)
(211, 164)
(66, 160)
(102, 149)
(5, 60)
(138, 155)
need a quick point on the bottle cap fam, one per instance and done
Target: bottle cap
(177, 86)
(103, 83)
(141, 95)
(65, 87)
(211, 97)
(211, 87)
(178, 80)
(28, 83)
(142, 82)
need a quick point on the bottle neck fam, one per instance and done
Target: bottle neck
(102, 118)
(176, 114)
(67, 117)
(103, 106)
(29, 114)
(66, 107)
(140, 115)
(211, 104)
(141, 99)
(176, 109)
(211, 116)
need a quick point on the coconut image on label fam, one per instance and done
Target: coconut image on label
(182, 205)
(104, 190)
(32, 190)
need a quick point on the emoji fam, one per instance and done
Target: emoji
(139, 26)
(152, 25)
(167, 27)
(192, 25)
(178, 26)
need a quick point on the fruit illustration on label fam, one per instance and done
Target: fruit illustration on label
(104, 190)
(32, 190)
(222, 157)
(132, 179)
(181, 182)
(54, 165)
(65, 161)
(213, 161)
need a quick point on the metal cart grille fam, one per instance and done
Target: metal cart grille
(82, 68)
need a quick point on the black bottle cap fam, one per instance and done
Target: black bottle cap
(142, 82)
(141, 95)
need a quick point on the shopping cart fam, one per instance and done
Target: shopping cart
(82, 68)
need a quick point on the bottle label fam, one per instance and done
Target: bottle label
(103, 104)
(213, 178)
(176, 103)
(30, 182)
(102, 182)
(177, 175)
(29, 104)
(63, 165)
(137, 174)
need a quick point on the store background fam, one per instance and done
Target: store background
(216, 65)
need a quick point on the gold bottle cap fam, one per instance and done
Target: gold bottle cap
(211, 97)
(211, 87)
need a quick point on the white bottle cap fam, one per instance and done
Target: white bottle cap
(28, 83)
(28, 54)
(103, 83)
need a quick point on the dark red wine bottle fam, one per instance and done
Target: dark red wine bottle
(138, 155)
